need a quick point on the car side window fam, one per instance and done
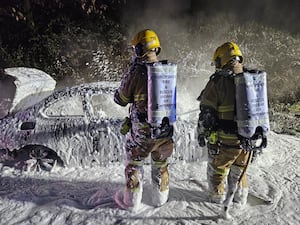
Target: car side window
(71, 106)
(105, 107)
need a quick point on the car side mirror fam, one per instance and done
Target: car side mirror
(28, 126)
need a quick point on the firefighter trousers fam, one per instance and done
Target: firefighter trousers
(160, 150)
(224, 170)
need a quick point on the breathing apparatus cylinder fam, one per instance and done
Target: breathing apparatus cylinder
(161, 93)
(252, 103)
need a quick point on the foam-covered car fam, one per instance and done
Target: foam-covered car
(68, 127)
(77, 125)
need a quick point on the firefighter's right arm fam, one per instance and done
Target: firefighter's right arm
(120, 99)
(208, 117)
(201, 132)
(123, 95)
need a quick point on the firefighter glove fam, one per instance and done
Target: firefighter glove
(125, 126)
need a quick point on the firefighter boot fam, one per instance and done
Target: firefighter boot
(134, 187)
(160, 181)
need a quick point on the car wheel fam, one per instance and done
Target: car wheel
(41, 158)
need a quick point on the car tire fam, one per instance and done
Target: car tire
(40, 158)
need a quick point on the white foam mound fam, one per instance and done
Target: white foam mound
(32, 85)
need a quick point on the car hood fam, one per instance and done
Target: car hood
(22, 87)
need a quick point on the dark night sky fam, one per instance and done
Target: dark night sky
(281, 14)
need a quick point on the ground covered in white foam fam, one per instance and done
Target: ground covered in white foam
(85, 195)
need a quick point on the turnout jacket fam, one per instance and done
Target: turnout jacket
(134, 90)
(219, 95)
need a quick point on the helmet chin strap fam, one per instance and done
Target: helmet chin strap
(148, 57)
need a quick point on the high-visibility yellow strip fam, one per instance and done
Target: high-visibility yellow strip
(136, 163)
(226, 108)
(124, 98)
(133, 189)
(140, 97)
(222, 172)
(222, 135)
(160, 164)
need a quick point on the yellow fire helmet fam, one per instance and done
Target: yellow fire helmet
(225, 53)
(145, 41)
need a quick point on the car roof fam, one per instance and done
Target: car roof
(103, 92)
(101, 86)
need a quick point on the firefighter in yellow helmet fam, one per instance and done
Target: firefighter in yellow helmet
(139, 144)
(227, 161)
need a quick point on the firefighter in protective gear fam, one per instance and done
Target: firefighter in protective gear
(227, 161)
(139, 144)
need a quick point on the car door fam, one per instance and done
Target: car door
(107, 118)
(62, 125)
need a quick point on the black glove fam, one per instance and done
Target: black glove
(264, 142)
(209, 116)
(201, 140)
